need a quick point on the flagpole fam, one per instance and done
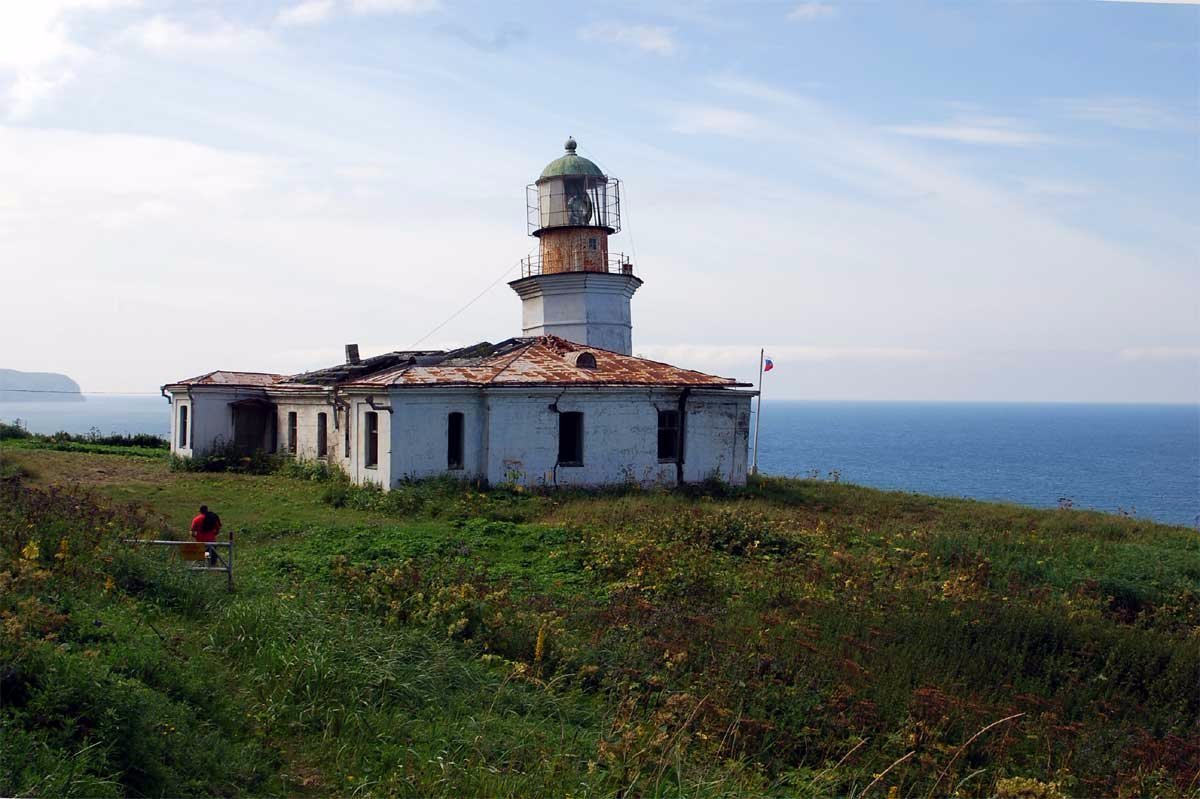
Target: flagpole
(758, 419)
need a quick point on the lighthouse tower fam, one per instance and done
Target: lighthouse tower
(574, 287)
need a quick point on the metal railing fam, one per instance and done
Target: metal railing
(573, 203)
(201, 556)
(615, 263)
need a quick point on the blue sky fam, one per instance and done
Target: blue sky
(962, 201)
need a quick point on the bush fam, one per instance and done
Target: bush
(13, 429)
(226, 457)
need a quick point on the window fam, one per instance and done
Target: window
(585, 360)
(183, 425)
(291, 439)
(592, 244)
(346, 433)
(371, 439)
(322, 436)
(454, 441)
(570, 439)
(669, 439)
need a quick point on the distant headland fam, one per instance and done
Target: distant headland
(38, 387)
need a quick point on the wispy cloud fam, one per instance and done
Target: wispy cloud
(1128, 112)
(806, 12)
(488, 42)
(756, 91)
(311, 12)
(998, 131)
(394, 6)
(721, 121)
(647, 38)
(314, 12)
(1051, 187)
(163, 35)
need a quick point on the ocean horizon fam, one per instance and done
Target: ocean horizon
(1141, 460)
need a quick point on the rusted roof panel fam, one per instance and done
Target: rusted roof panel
(224, 378)
(542, 361)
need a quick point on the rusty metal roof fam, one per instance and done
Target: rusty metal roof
(540, 361)
(225, 378)
(537, 361)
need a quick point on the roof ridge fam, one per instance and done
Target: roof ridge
(520, 351)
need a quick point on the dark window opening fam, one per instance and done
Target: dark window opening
(454, 441)
(183, 431)
(371, 439)
(274, 433)
(668, 436)
(346, 433)
(570, 439)
(322, 436)
(585, 360)
(291, 439)
(592, 244)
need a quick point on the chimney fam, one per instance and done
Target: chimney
(352, 354)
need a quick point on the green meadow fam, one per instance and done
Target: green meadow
(793, 638)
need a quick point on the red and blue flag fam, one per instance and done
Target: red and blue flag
(768, 365)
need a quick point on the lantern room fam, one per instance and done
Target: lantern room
(572, 209)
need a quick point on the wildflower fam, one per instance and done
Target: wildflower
(30, 551)
(109, 584)
(539, 648)
(62, 550)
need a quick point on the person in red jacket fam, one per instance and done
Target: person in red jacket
(205, 527)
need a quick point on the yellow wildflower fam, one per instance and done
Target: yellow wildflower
(31, 551)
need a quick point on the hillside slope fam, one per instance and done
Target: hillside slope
(798, 638)
(18, 386)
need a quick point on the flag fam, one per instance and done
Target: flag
(768, 365)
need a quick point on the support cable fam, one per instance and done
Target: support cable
(473, 300)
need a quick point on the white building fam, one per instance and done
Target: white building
(565, 404)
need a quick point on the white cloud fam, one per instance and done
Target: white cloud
(647, 38)
(811, 11)
(38, 53)
(977, 130)
(162, 35)
(721, 121)
(394, 6)
(1128, 112)
(310, 12)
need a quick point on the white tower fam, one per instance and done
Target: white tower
(574, 288)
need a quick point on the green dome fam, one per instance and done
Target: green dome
(571, 165)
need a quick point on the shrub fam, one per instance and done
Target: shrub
(13, 429)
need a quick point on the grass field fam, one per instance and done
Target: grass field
(795, 638)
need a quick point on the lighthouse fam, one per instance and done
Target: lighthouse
(575, 287)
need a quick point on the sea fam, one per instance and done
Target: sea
(1140, 460)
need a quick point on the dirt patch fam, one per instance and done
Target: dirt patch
(50, 467)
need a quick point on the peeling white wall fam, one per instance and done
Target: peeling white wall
(306, 411)
(209, 417)
(509, 435)
(421, 431)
